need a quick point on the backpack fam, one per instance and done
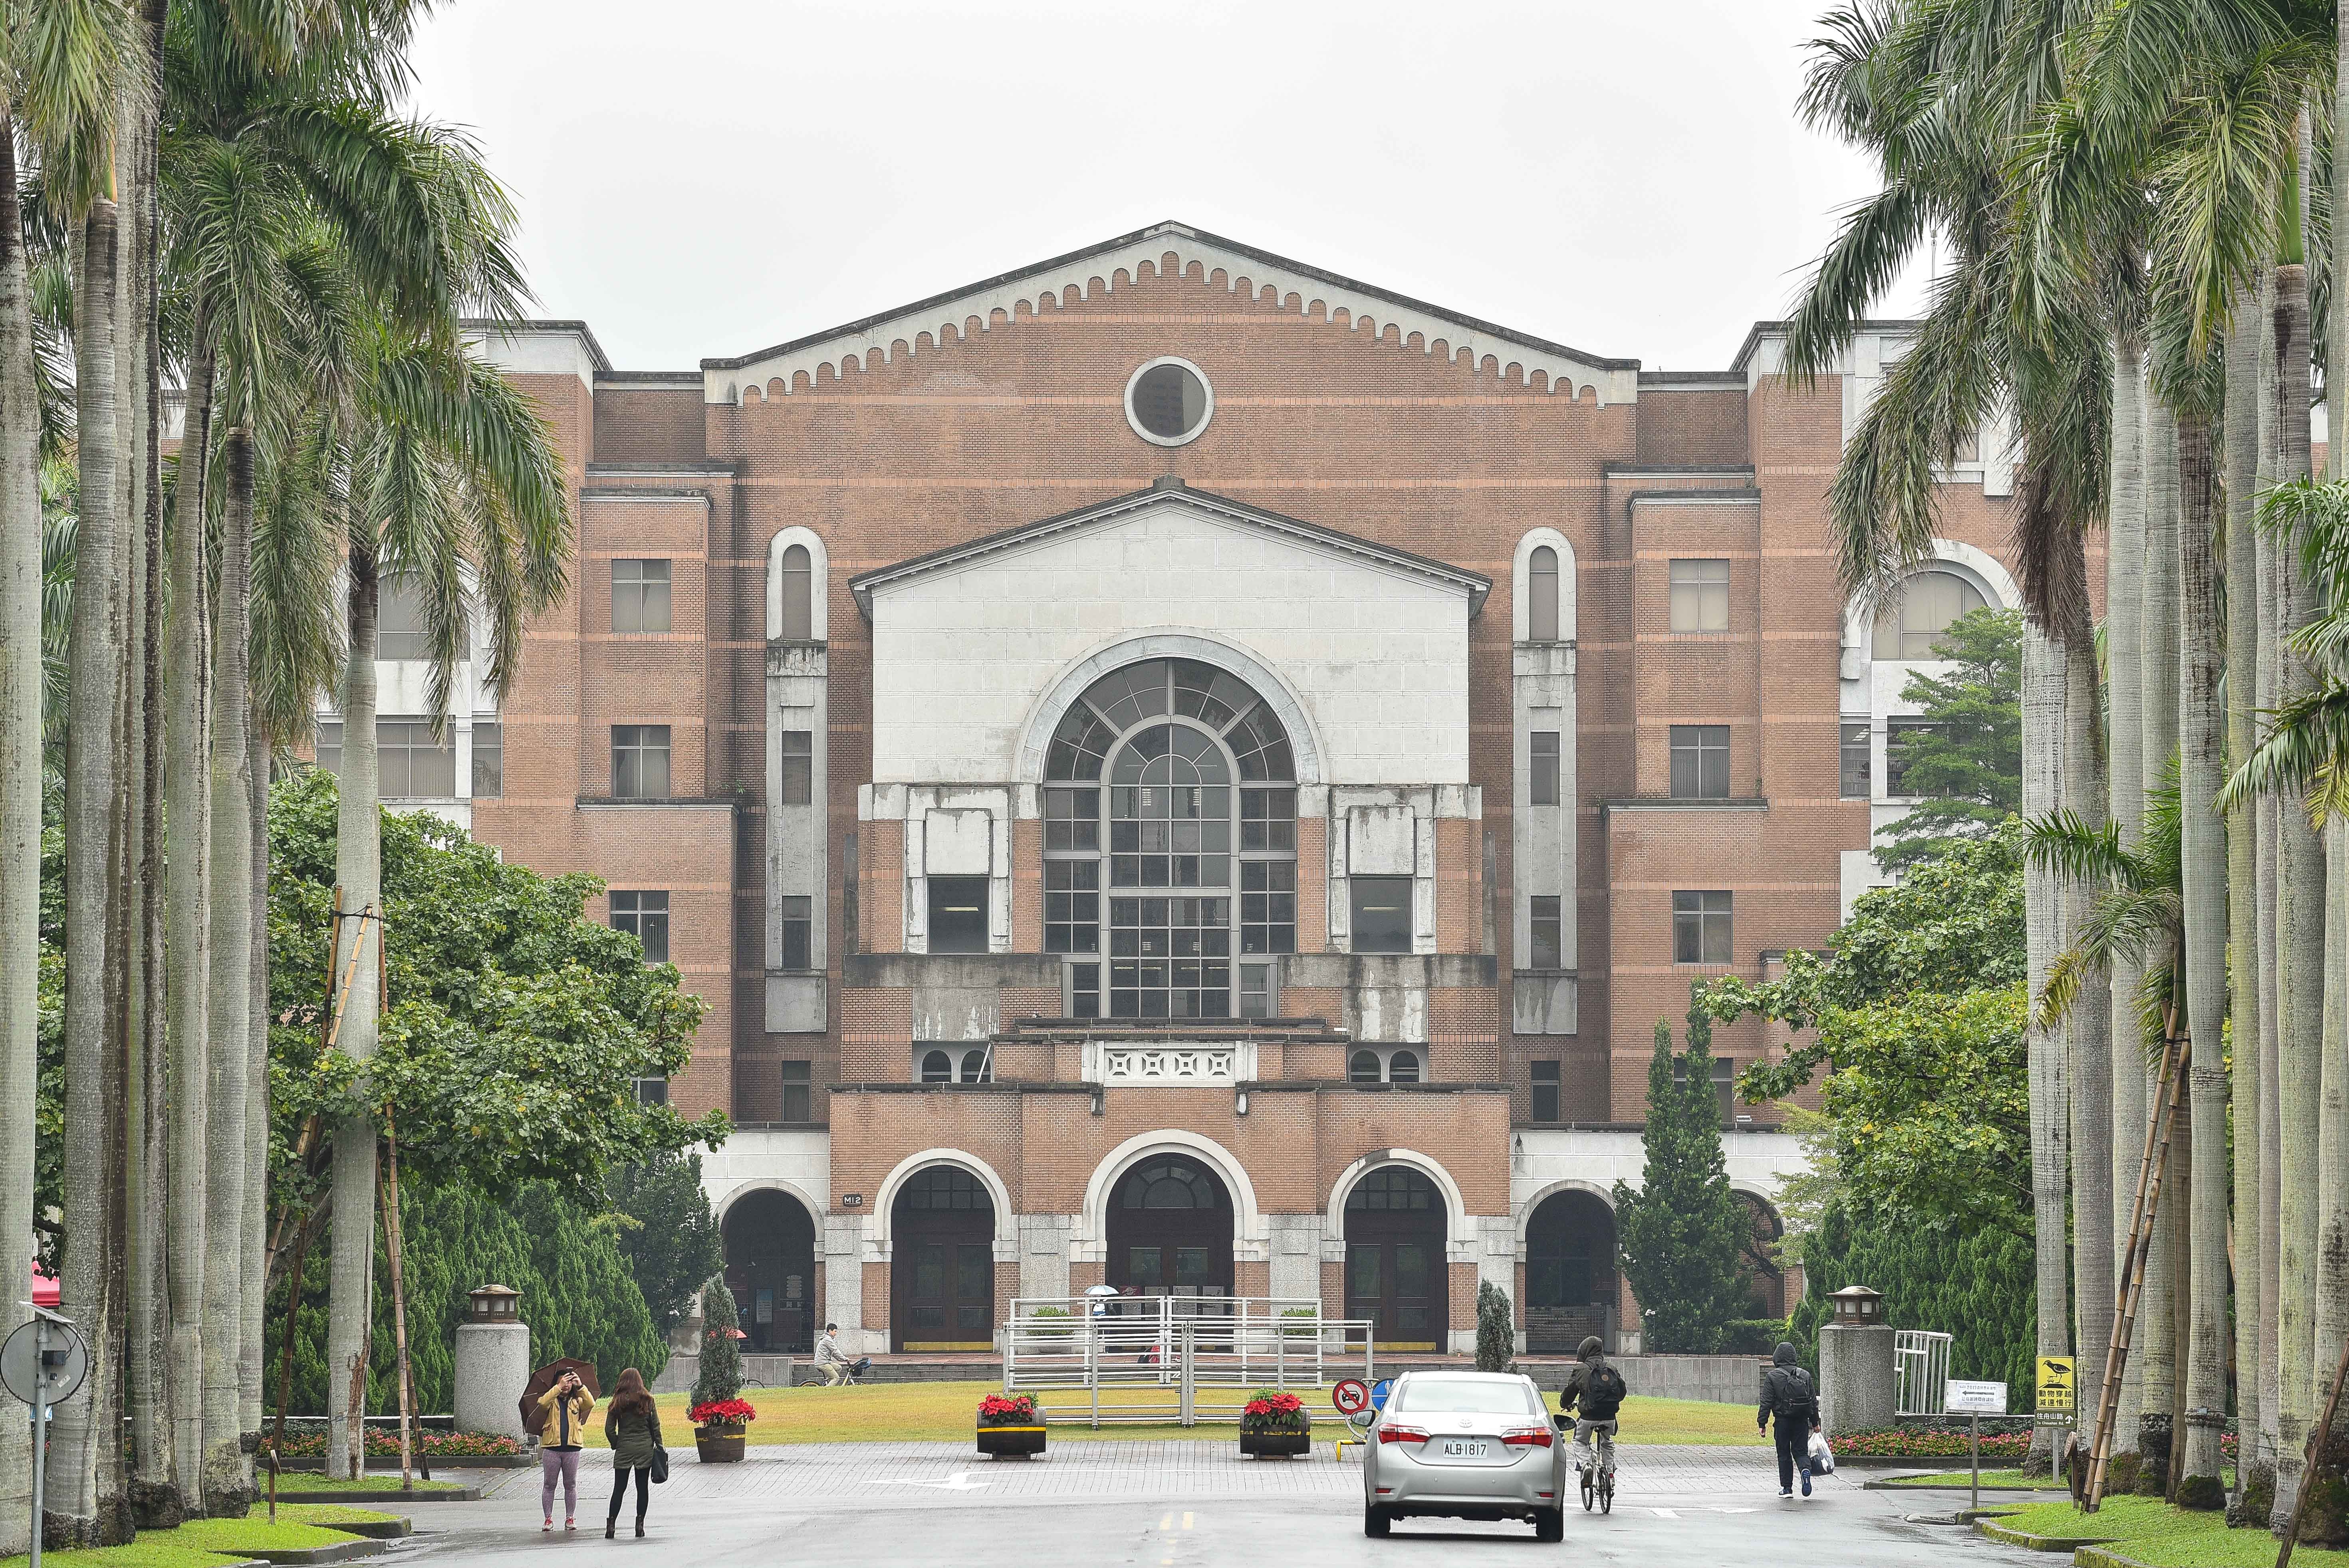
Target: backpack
(1790, 1391)
(1602, 1393)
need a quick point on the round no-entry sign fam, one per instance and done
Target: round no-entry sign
(1350, 1396)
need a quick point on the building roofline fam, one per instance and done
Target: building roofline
(1172, 229)
(1742, 364)
(1477, 584)
(485, 326)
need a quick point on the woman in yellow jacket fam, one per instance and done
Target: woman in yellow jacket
(562, 1427)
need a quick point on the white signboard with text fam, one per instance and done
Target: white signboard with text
(1966, 1398)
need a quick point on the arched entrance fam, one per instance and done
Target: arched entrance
(770, 1268)
(1758, 1258)
(1570, 1271)
(1170, 1230)
(942, 1264)
(1395, 1273)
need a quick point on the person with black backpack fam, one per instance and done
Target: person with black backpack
(1786, 1393)
(1599, 1389)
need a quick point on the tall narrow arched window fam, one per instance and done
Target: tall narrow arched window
(799, 611)
(1541, 595)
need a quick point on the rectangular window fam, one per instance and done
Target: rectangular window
(1267, 906)
(1700, 762)
(1170, 957)
(1549, 931)
(1073, 906)
(799, 763)
(1545, 1092)
(1084, 990)
(489, 759)
(1255, 991)
(799, 933)
(958, 915)
(330, 745)
(1268, 819)
(795, 1108)
(411, 765)
(651, 1090)
(1700, 933)
(399, 621)
(640, 762)
(1545, 767)
(640, 595)
(1855, 761)
(1381, 913)
(1699, 595)
(1723, 1072)
(645, 916)
(1897, 757)
(1072, 821)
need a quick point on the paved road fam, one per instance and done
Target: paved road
(1166, 1505)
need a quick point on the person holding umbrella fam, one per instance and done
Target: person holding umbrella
(562, 1424)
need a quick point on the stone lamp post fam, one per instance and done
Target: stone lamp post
(492, 1362)
(1857, 1390)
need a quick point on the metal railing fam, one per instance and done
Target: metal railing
(1178, 1360)
(1920, 1371)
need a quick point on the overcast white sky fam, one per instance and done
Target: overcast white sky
(709, 177)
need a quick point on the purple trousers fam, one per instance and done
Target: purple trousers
(553, 1463)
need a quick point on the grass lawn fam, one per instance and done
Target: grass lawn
(375, 1481)
(2001, 1478)
(2146, 1530)
(213, 1543)
(943, 1412)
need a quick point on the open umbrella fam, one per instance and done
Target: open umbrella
(545, 1378)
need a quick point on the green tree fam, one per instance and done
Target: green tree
(1496, 1328)
(1966, 756)
(666, 1232)
(720, 1375)
(1682, 1231)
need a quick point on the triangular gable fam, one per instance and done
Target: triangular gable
(877, 339)
(1475, 585)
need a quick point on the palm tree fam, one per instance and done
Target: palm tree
(20, 784)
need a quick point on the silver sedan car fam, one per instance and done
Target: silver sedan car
(1465, 1445)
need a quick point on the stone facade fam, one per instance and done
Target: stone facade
(1545, 645)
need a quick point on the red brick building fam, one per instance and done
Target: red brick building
(1176, 768)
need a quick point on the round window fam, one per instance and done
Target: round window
(1168, 402)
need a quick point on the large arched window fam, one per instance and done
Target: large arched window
(1170, 789)
(798, 595)
(1929, 601)
(1541, 595)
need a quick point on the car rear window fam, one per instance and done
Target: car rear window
(1469, 1395)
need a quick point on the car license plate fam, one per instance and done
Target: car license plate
(1466, 1449)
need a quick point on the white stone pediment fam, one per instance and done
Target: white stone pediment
(1367, 646)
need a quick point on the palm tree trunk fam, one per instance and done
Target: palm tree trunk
(2268, 817)
(2301, 978)
(20, 797)
(2203, 874)
(2042, 745)
(88, 1489)
(2242, 441)
(230, 1054)
(252, 1355)
(2158, 668)
(358, 868)
(2332, 1111)
(2124, 619)
(2089, 1027)
(188, 728)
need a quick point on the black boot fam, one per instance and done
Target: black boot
(611, 1526)
(640, 1530)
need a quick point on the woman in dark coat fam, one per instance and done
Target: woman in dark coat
(632, 1423)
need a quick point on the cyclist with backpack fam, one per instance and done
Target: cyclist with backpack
(1786, 1393)
(1599, 1389)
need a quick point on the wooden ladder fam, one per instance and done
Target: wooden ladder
(2143, 1214)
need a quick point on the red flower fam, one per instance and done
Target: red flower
(721, 1413)
(1007, 1409)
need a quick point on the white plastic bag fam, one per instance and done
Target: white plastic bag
(1822, 1456)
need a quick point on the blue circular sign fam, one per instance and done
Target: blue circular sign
(1379, 1391)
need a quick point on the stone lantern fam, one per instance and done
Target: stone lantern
(492, 1362)
(1858, 1390)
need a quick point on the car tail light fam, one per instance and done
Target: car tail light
(1401, 1435)
(1528, 1437)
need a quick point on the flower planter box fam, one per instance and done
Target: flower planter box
(1012, 1442)
(1275, 1445)
(719, 1445)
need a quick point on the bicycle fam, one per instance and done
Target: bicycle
(1598, 1476)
